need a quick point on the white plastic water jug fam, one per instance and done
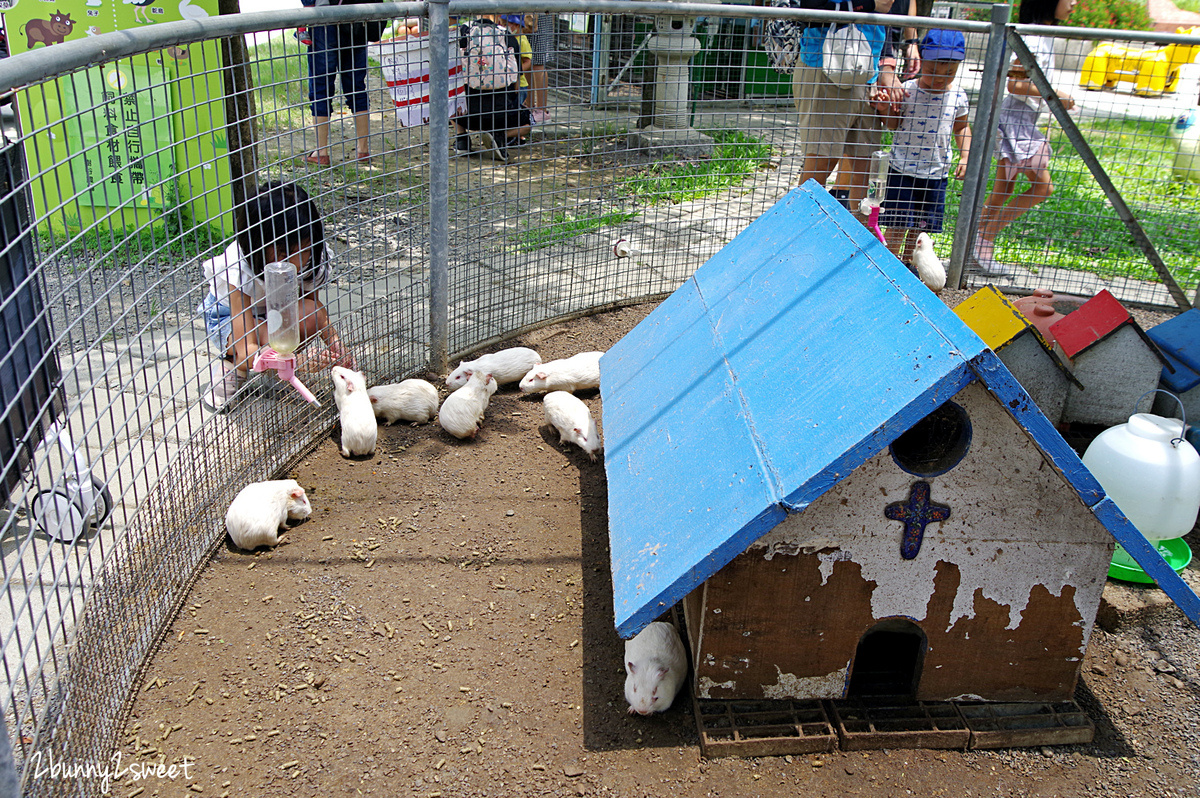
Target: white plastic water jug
(1150, 472)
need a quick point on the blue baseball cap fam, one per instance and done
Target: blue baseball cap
(516, 19)
(943, 45)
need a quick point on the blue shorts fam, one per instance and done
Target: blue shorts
(218, 321)
(915, 203)
(338, 52)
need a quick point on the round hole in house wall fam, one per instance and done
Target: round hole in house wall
(936, 443)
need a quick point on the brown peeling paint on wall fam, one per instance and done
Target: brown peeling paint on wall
(809, 631)
(789, 621)
(1037, 661)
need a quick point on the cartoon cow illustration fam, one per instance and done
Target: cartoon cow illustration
(48, 31)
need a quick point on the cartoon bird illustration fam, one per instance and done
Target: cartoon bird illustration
(139, 10)
(192, 12)
(928, 264)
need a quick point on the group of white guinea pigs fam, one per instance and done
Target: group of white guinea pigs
(473, 383)
(655, 660)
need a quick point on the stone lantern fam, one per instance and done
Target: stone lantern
(673, 46)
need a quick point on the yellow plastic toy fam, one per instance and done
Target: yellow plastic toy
(1152, 71)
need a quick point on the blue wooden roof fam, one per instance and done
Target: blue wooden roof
(798, 351)
(1179, 340)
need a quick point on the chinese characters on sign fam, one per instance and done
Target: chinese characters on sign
(122, 145)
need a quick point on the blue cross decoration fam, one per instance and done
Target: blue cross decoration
(916, 513)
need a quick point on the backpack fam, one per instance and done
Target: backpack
(781, 39)
(490, 63)
(846, 56)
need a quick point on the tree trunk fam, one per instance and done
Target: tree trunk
(239, 117)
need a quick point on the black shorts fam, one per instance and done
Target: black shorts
(914, 202)
(494, 111)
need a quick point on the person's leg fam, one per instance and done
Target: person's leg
(863, 137)
(362, 133)
(352, 73)
(462, 139)
(817, 168)
(227, 376)
(537, 86)
(857, 174)
(1003, 188)
(518, 122)
(1039, 189)
(322, 151)
(896, 238)
(355, 89)
(822, 120)
(542, 42)
(322, 64)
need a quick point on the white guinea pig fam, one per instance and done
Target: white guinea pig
(507, 365)
(569, 374)
(655, 666)
(574, 423)
(261, 509)
(359, 429)
(463, 410)
(407, 400)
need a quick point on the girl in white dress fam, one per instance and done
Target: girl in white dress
(1022, 149)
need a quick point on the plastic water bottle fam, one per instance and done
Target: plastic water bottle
(877, 181)
(283, 300)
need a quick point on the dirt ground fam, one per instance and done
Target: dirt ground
(442, 626)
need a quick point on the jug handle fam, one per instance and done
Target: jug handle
(1182, 413)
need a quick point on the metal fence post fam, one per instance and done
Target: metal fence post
(439, 185)
(995, 71)
(10, 786)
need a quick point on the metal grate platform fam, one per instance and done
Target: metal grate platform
(762, 728)
(887, 722)
(777, 728)
(1025, 724)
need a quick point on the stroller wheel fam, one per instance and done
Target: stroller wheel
(104, 502)
(58, 516)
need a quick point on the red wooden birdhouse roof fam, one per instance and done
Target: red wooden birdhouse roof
(1095, 320)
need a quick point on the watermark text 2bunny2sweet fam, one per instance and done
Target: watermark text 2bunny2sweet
(108, 770)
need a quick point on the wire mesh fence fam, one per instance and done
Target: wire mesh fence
(647, 137)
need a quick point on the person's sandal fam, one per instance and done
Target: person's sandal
(226, 383)
(363, 157)
(314, 158)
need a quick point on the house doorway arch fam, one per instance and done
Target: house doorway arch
(888, 660)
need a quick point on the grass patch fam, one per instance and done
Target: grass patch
(119, 248)
(174, 235)
(279, 72)
(565, 226)
(736, 156)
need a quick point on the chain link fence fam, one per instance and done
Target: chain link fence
(649, 136)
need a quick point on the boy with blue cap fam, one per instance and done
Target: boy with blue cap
(933, 110)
